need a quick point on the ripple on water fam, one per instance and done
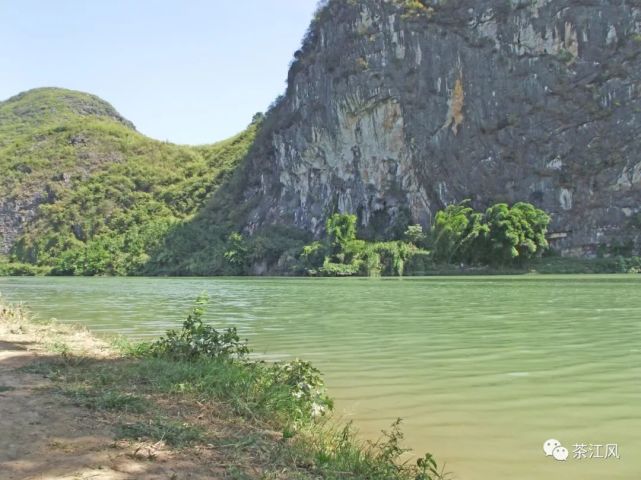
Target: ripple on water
(483, 370)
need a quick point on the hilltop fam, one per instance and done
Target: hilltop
(85, 193)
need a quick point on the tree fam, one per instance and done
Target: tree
(341, 231)
(414, 235)
(516, 233)
(237, 253)
(501, 235)
(455, 233)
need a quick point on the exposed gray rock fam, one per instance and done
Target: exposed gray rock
(14, 214)
(394, 113)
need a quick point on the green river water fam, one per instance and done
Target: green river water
(482, 370)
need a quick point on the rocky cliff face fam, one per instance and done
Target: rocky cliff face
(395, 109)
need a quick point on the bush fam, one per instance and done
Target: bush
(393, 256)
(276, 243)
(19, 269)
(197, 340)
(313, 256)
(332, 269)
(513, 234)
(305, 383)
(237, 254)
(341, 231)
(296, 386)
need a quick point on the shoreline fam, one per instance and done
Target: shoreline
(120, 415)
(541, 266)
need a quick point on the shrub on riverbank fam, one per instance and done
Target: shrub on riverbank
(218, 362)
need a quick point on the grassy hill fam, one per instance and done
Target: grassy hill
(82, 192)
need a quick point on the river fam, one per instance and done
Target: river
(482, 370)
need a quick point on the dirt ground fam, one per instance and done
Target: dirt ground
(44, 436)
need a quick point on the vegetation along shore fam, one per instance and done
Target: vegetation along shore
(192, 404)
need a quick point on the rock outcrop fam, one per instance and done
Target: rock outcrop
(395, 109)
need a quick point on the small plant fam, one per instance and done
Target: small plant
(362, 63)
(415, 8)
(427, 468)
(196, 340)
(306, 385)
(61, 349)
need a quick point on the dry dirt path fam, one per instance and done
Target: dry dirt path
(44, 436)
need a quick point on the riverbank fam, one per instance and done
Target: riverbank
(551, 265)
(76, 406)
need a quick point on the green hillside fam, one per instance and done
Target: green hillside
(88, 193)
(83, 193)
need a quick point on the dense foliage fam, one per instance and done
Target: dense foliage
(102, 199)
(502, 235)
(106, 195)
(343, 254)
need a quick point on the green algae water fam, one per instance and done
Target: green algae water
(482, 370)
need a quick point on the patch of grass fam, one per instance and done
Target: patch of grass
(49, 369)
(171, 432)
(107, 400)
(130, 349)
(336, 454)
(5, 388)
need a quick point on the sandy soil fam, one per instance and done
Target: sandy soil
(43, 436)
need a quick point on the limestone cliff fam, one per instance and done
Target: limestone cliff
(395, 109)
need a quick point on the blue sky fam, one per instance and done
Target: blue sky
(188, 71)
